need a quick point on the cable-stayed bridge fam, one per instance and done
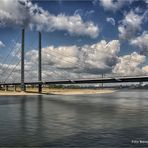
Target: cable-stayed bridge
(40, 82)
(86, 81)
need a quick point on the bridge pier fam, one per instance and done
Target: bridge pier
(6, 87)
(15, 87)
(23, 87)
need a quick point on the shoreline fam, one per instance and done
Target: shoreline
(58, 92)
(10, 93)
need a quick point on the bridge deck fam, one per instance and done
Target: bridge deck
(85, 81)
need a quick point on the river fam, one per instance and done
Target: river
(119, 119)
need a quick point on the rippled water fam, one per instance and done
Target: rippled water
(102, 120)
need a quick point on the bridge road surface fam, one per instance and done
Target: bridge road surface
(86, 81)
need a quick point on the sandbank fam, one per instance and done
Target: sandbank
(57, 92)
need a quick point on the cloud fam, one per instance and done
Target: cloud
(73, 61)
(74, 25)
(100, 57)
(112, 4)
(64, 57)
(145, 69)
(5, 70)
(130, 65)
(89, 13)
(79, 12)
(87, 61)
(111, 20)
(17, 50)
(25, 13)
(141, 42)
(68, 61)
(2, 44)
(130, 25)
(94, 59)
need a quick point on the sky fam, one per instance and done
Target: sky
(80, 39)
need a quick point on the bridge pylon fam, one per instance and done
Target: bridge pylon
(22, 61)
(40, 63)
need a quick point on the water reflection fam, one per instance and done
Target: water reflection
(81, 121)
(40, 120)
(23, 114)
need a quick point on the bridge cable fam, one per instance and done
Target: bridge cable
(9, 53)
(12, 71)
(12, 60)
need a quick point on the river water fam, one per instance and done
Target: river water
(117, 120)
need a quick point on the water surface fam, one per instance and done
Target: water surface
(100, 120)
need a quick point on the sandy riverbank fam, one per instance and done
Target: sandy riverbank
(57, 92)
(10, 93)
(80, 91)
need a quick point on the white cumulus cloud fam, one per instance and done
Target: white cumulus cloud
(145, 69)
(100, 57)
(65, 62)
(112, 4)
(25, 13)
(87, 61)
(130, 65)
(94, 59)
(141, 42)
(130, 25)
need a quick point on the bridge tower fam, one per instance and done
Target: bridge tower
(40, 63)
(22, 60)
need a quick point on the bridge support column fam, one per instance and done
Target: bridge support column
(15, 87)
(6, 87)
(40, 64)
